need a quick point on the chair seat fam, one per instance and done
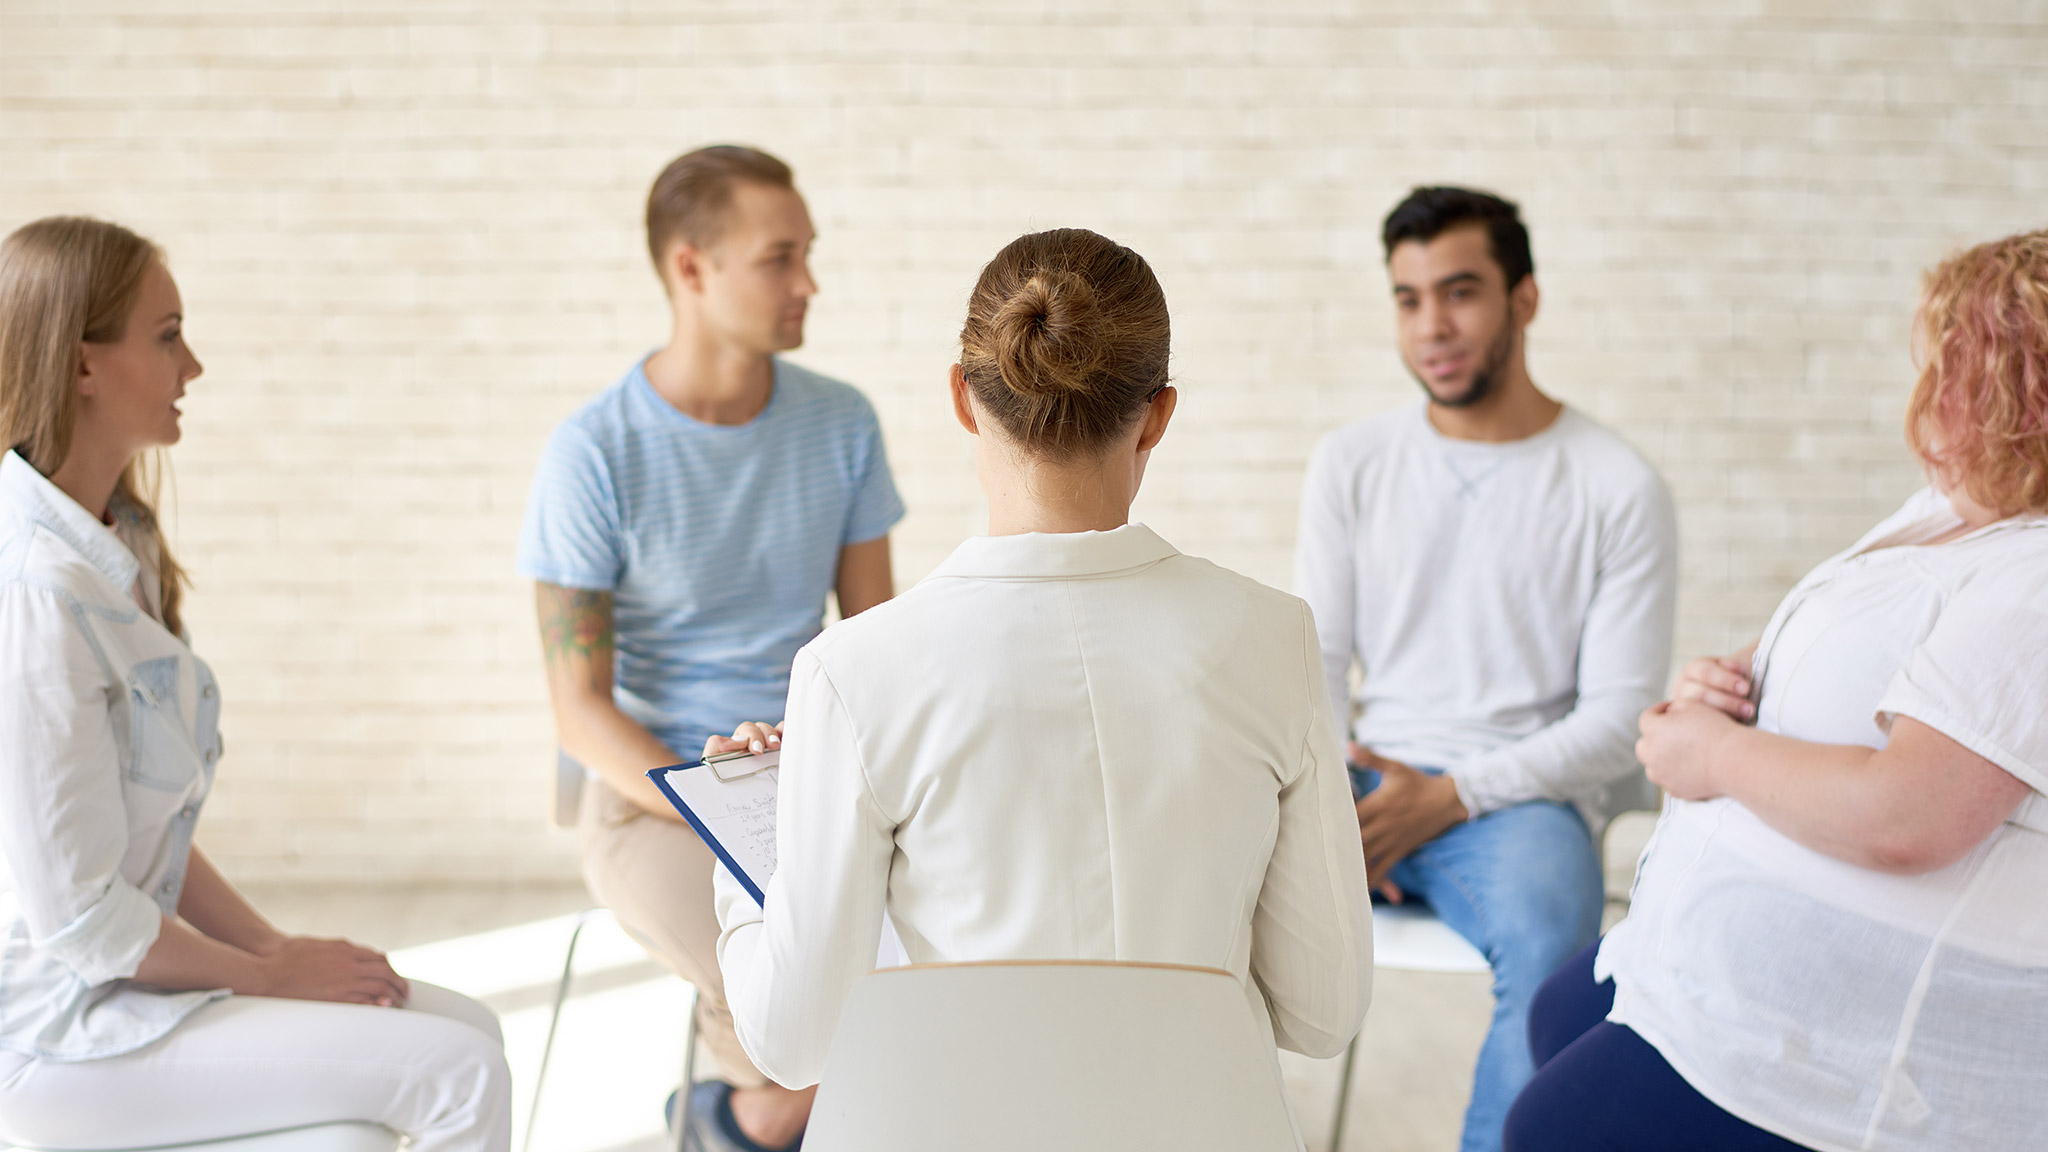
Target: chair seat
(345, 1137)
(1410, 937)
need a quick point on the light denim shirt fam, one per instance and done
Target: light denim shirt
(108, 738)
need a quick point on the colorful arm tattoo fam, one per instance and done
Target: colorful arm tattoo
(575, 622)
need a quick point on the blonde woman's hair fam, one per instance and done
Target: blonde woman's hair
(66, 281)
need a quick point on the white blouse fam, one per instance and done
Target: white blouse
(1076, 746)
(1837, 1006)
(108, 740)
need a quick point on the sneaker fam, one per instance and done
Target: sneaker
(713, 1128)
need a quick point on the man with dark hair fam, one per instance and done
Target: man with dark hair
(1502, 569)
(684, 531)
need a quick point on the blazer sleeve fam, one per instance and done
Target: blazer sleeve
(1312, 931)
(790, 966)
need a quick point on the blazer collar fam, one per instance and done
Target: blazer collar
(44, 504)
(1056, 555)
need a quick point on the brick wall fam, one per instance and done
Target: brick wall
(407, 237)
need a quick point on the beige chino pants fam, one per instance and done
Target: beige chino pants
(655, 876)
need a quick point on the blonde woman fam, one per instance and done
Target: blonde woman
(132, 971)
(1839, 937)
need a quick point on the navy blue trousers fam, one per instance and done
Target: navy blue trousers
(1599, 1087)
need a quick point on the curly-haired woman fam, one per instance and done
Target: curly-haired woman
(1839, 938)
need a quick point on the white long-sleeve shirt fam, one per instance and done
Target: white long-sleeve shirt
(1076, 746)
(1510, 604)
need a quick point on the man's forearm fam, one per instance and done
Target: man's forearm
(596, 734)
(866, 577)
(1568, 759)
(576, 633)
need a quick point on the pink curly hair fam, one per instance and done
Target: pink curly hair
(1979, 414)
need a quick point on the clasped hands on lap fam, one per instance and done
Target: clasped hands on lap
(1408, 809)
(290, 968)
(218, 940)
(1710, 699)
(313, 968)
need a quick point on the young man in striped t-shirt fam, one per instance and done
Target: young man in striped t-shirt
(684, 530)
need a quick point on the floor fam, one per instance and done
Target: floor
(619, 1049)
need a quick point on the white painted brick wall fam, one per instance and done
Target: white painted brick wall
(409, 243)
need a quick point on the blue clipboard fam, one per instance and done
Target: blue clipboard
(725, 768)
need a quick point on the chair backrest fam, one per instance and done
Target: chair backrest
(344, 1136)
(569, 776)
(1031, 1055)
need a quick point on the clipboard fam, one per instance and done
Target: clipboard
(729, 800)
(730, 766)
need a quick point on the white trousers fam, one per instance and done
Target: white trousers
(434, 1070)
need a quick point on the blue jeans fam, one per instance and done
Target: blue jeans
(1523, 884)
(1602, 1088)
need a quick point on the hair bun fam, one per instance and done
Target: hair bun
(1049, 336)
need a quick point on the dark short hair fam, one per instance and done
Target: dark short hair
(1430, 212)
(692, 198)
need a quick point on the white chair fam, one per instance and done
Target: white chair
(1025, 1056)
(346, 1137)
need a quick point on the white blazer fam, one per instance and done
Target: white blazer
(1075, 746)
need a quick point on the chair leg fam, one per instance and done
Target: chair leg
(555, 1019)
(1343, 1096)
(689, 1074)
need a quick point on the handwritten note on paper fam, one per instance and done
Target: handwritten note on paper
(750, 821)
(736, 815)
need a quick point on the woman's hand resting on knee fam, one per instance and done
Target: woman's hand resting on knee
(287, 967)
(306, 968)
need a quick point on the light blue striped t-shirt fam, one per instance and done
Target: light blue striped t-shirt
(717, 542)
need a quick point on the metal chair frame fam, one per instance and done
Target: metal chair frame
(682, 1125)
